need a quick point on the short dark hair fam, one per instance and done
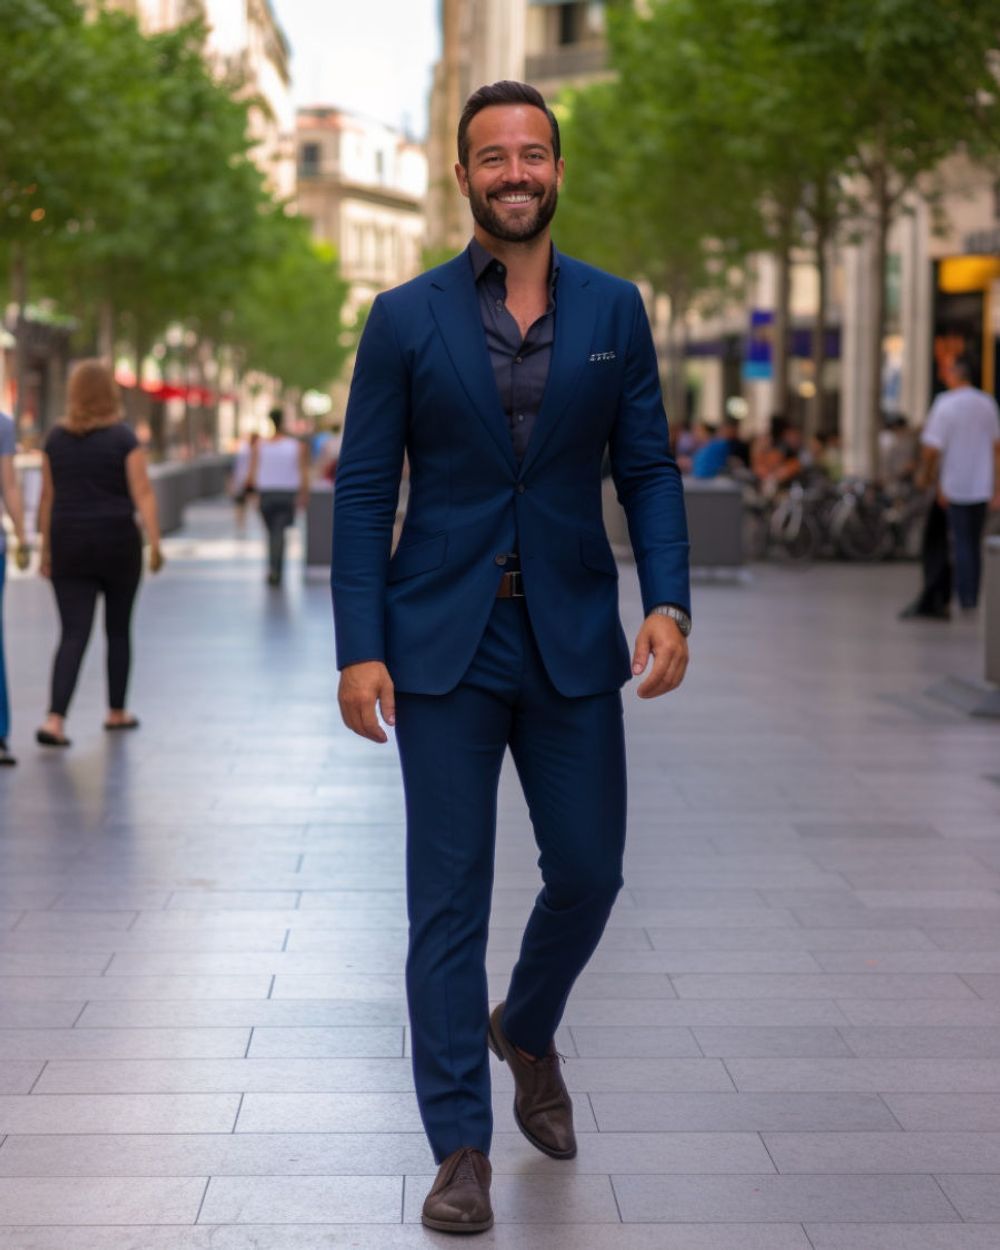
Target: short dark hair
(505, 92)
(277, 417)
(962, 365)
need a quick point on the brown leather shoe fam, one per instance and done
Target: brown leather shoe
(543, 1108)
(459, 1200)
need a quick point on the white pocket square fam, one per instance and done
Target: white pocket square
(597, 357)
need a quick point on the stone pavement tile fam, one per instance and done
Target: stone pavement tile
(379, 1113)
(920, 1012)
(902, 917)
(961, 962)
(762, 917)
(874, 985)
(17, 1077)
(706, 1113)
(118, 1113)
(965, 939)
(977, 1198)
(303, 1200)
(978, 1113)
(781, 1198)
(232, 900)
(671, 961)
(904, 1236)
(770, 1042)
(75, 921)
(863, 829)
(247, 963)
(526, 1199)
(109, 898)
(195, 1013)
(414, 1237)
(64, 963)
(915, 1042)
(985, 986)
(624, 1042)
(692, 1011)
(882, 1075)
(876, 1153)
(22, 1015)
(930, 898)
(9, 918)
(55, 989)
(343, 1042)
(347, 985)
(105, 1200)
(180, 942)
(193, 1076)
(163, 1043)
(790, 939)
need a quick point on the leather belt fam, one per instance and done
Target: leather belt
(511, 586)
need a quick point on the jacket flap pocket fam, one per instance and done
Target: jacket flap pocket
(418, 557)
(596, 554)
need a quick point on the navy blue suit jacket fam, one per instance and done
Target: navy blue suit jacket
(423, 385)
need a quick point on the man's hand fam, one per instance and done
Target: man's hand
(361, 687)
(660, 637)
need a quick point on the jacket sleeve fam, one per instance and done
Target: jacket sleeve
(646, 476)
(366, 490)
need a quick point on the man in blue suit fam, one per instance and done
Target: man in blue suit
(504, 376)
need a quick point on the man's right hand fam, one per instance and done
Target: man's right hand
(361, 687)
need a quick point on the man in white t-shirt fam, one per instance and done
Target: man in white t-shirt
(961, 452)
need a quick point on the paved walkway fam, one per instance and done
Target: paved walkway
(788, 1039)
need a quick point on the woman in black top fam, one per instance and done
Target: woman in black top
(94, 480)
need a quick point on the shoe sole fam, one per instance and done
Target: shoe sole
(494, 1044)
(447, 1226)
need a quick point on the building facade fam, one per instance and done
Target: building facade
(362, 185)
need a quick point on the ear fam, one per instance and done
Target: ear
(462, 178)
(560, 172)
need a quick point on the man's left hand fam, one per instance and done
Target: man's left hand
(661, 638)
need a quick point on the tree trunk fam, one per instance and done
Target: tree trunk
(883, 220)
(19, 289)
(676, 385)
(780, 330)
(106, 332)
(814, 410)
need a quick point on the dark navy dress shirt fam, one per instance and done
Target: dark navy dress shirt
(520, 365)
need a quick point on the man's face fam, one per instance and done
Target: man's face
(513, 179)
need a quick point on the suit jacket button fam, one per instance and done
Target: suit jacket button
(521, 488)
(501, 560)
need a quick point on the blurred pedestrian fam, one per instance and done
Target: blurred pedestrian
(722, 453)
(241, 485)
(279, 469)
(10, 498)
(960, 454)
(94, 479)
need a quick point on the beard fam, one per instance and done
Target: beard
(519, 228)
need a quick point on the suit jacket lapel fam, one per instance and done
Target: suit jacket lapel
(576, 312)
(455, 308)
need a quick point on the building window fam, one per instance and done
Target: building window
(569, 22)
(309, 159)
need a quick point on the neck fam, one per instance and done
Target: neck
(526, 262)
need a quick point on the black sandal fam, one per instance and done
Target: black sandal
(113, 727)
(45, 739)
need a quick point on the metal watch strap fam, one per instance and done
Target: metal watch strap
(678, 615)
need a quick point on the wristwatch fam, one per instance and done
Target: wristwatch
(676, 614)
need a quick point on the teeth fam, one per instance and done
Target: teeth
(515, 199)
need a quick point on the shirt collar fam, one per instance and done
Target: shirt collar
(481, 259)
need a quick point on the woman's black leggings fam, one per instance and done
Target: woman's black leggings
(84, 566)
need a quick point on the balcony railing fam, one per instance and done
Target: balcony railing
(567, 62)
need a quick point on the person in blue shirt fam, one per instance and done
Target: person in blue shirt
(714, 458)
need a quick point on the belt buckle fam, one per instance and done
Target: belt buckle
(516, 585)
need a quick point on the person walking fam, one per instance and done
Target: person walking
(279, 470)
(503, 375)
(11, 499)
(960, 453)
(241, 487)
(94, 479)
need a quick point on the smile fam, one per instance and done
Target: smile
(515, 199)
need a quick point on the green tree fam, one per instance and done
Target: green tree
(288, 317)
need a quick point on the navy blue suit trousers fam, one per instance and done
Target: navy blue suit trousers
(570, 758)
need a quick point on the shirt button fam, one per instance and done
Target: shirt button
(520, 416)
(521, 488)
(501, 560)
(499, 303)
(518, 359)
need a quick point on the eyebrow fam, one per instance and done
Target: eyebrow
(525, 147)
